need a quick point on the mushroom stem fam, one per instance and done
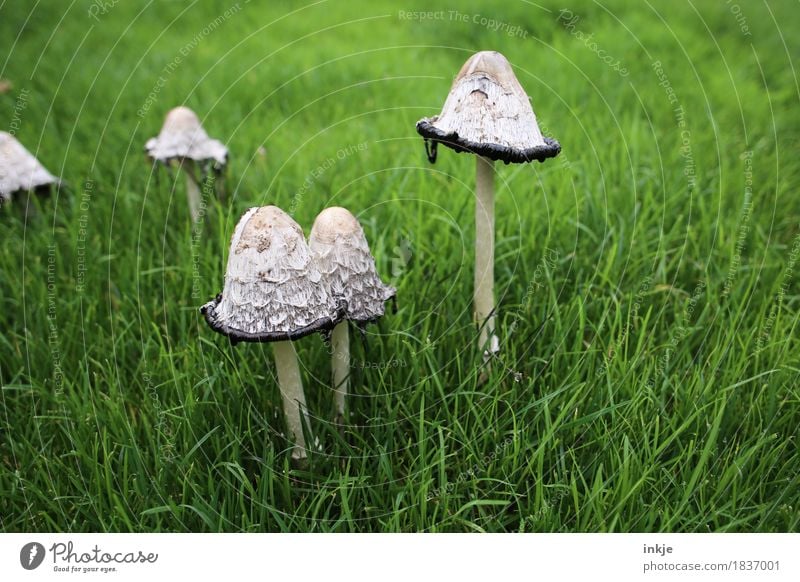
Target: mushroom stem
(483, 299)
(340, 342)
(294, 400)
(192, 190)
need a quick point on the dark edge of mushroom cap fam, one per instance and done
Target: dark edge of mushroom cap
(391, 296)
(41, 190)
(375, 318)
(175, 122)
(488, 150)
(323, 324)
(213, 163)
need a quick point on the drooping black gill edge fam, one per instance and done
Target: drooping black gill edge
(323, 324)
(361, 324)
(208, 165)
(492, 151)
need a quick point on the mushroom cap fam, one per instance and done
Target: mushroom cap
(19, 169)
(489, 114)
(272, 286)
(182, 137)
(342, 255)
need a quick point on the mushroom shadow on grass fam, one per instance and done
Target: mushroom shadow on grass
(342, 254)
(184, 143)
(273, 293)
(487, 113)
(20, 171)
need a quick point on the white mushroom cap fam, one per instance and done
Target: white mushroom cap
(272, 285)
(182, 137)
(488, 113)
(19, 170)
(342, 254)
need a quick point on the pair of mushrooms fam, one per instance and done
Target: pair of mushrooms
(20, 171)
(182, 142)
(487, 113)
(280, 289)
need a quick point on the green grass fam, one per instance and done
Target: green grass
(650, 317)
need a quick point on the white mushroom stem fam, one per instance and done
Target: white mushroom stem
(192, 190)
(340, 363)
(483, 299)
(294, 400)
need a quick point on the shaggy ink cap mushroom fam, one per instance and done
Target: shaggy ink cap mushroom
(184, 142)
(182, 137)
(489, 114)
(342, 255)
(273, 289)
(19, 169)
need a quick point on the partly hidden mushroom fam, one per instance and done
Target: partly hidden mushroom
(487, 113)
(183, 142)
(20, 171)
(273, 293)
(342, 255)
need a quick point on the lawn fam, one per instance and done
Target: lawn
(648, 280)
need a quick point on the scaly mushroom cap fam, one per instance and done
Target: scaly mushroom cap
(272, 285)
(19, 170)
(342, 254)
(488, 113)
(182, 137)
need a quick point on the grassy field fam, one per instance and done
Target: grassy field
(648, 278)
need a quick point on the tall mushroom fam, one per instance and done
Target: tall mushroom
(487, 113)
(273, 293)
(19, 169)
(342, 254)
(183, 142)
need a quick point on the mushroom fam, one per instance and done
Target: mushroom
(183, 142)
(19, 169)
(272, 293)
(342, 255)
(487, 113)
